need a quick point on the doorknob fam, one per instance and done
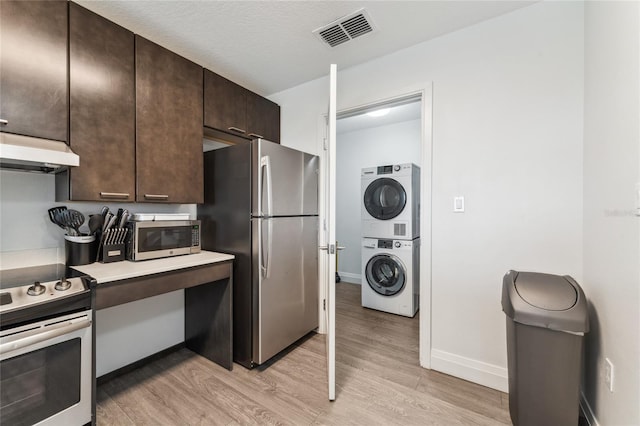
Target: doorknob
(331, 248)
(340, 248)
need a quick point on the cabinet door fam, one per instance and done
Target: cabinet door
(33, 68)
(224, 104)
(168, 126)
(263, 118)
(102, 107)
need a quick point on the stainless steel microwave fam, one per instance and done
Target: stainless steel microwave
(162, 238)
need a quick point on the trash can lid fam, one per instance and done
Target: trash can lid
(546, 291)
(545, 300)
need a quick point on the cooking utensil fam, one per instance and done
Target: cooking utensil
(123, 218)
(96, 222)
(52, 215)
(62, 217)
(107, 219)
(75, 220)
(119, 216)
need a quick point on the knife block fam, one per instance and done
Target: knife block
(113, 245)
(112, 253)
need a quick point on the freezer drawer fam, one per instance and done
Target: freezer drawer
(285, 282)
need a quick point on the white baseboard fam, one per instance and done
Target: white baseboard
(350, 278)
(587, 412)
(489, 375)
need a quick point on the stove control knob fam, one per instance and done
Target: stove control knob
(63, 285)
(398, 244)
(36, 289)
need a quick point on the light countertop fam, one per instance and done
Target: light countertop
(107, 272)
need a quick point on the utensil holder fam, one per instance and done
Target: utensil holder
(80, 250)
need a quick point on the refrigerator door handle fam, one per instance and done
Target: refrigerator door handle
(265, 163)
(269, 247)
(265, 255)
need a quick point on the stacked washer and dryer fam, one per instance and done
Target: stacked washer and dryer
(391, 238)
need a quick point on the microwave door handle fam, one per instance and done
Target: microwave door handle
(49, 333)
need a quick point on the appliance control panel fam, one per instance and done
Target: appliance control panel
(385, 244)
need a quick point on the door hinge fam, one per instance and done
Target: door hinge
(324, 304)
(324, 144)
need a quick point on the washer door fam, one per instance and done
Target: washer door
(385, 198)
(385, 274)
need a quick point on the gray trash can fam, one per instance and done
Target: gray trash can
(546, 321)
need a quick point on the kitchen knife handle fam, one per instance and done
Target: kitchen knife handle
(255, 135)
(3, 122)
(156, 196)
(237, 130)
(116, 195)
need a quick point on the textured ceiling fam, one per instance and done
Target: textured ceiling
(268, 46)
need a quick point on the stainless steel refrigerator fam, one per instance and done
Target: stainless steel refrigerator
(261, 204)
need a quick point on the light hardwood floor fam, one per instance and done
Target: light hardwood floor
(379, 382)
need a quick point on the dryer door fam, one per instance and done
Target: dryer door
(385, 198)
(386, 274)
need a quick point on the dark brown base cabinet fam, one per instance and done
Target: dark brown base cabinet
(102, 110)
(33, 68)
(168, 126)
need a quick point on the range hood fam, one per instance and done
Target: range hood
(29, 154)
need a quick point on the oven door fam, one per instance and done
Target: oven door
(45, 372)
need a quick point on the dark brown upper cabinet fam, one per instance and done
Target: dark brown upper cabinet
(168, 126)
(102, 110)
(263, 118)
(235, 110)
(224, 104)
(33, 68)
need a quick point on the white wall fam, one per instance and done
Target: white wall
(507, 120)
(125, 333)
(611, 230)
(390, 144)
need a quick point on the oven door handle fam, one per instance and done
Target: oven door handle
(50, 332)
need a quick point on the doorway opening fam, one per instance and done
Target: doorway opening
(378, 271)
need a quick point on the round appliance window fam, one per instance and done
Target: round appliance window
(385, 198)
(385, 274)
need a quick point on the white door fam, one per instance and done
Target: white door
(328, 235)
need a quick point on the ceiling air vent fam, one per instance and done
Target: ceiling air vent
(346, 28)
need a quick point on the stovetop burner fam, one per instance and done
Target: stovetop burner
(38, 285)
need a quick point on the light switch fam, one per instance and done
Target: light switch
(458, 204)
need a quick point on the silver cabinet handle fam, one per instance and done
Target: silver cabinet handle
(235, 129)
(255, 135)
(50, 333)
(116, 195)
(156, 196)
(3, 122)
